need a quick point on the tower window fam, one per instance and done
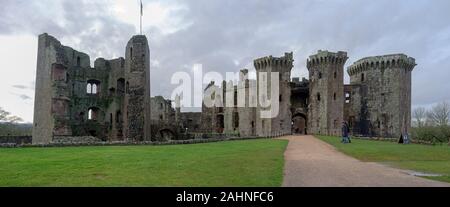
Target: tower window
(335, 74)
(334, 96)
(131, 52)
(320, 75)
(362, 77)
(347, 97)
(318, 97)
(78, 61)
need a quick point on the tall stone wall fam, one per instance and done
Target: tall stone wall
(326, 102)
(247, 92)
(75, 100)
(137, 99)
(385, 94)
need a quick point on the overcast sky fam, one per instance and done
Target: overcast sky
(226, 36)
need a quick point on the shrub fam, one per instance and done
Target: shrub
(433, 134)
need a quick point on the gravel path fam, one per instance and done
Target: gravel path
(310, 162)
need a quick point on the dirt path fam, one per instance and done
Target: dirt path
(312, 162)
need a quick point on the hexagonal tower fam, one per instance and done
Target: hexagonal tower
(326, 92)
(281, 124)
(137, 99)
(384, 106)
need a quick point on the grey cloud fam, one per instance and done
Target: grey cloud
(25, 97)
(20, 87)
(222, 32)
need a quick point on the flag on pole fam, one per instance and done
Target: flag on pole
(142, 9)
(142, 13)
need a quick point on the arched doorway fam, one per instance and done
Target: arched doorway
(299, 124)
(220, 123)
(167, 134)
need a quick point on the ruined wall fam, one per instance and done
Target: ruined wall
(385, 94)
(247, 92)
(326, 102)
(213, 117)
(281, 124)
(75, 100)
(137, 99)
(299, 105)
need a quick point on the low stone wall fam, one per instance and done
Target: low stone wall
(70, 139)
(413, 141)
(15, 139)
(125, 143)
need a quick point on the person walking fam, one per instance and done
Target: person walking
(345, 131)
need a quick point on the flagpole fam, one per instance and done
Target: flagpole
(141, 17)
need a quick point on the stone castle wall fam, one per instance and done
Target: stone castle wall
(326, 102)
(384, 94)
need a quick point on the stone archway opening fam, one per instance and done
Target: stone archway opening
(299, 124)
(167, 134)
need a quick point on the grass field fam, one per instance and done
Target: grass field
(421, 158)
(233, 163)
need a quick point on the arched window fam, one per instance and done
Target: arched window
(93, 87)
(89, 88)
(362, 77)
(121, 85)
(93, 114)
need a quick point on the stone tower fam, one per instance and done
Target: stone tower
(382, 103)
(137, 99)
(265, 68)
(51, 108)
(326, 92)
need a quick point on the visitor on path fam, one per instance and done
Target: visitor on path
(345, 133)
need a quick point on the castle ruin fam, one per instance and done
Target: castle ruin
(111, 101)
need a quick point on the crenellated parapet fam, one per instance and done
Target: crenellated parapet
(286, 61)
(326, 57)
(382, 62)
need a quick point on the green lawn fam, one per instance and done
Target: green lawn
(232, 163)
(421, 158)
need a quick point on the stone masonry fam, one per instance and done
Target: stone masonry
(326, 75)
(111, 101)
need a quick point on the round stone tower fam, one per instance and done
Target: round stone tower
(280, 121)
(326, 92)
(137, 99)
(385, 102)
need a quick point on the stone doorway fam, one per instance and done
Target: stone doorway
(299, 124)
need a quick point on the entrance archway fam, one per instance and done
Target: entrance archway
(167, 134)
(299, 124)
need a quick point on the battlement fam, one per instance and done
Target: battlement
(385, 61)
(326, 57)
(286, 61)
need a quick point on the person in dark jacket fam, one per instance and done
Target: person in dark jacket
(345, 133)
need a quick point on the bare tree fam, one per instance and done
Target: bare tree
(439, 114)
(3, 115)
(6, 117)
(419, 116)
